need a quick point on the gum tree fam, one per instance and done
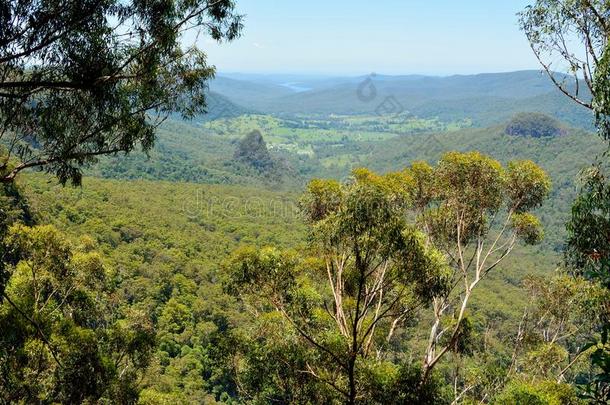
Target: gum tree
(370, 273)
(475, 211)
(83, 78)
(569, 39)
(384, 248)
(576, 33)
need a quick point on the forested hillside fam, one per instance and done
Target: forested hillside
(173, 234)
(204, 154)
(164, 245)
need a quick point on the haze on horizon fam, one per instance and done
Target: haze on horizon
(359, 37)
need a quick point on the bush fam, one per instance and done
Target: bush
(543, 393)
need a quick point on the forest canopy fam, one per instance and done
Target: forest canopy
(313, 239)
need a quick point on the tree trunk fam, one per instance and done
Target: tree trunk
(352, 381)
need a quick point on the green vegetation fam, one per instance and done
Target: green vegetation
(91, 78)
(164, 244)
(546, 24)
(70, 341)
(191, 153)
(425, 268)
(533, 124)
(381, 270)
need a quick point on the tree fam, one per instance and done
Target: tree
(588, 246)
(551, 26)
(475, 211)
(562, 314)
(587, 254)
(79, 79)
(63, 339)
(384, 248)
(370, 274)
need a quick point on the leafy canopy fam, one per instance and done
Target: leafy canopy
(82, 78)
(63, 338)
(364, 274)
(382, 247)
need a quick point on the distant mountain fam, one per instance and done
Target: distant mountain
(253, 95)
(486, 99)
(220, 106)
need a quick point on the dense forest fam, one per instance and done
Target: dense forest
(173, 236)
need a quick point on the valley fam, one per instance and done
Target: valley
(168, 223)
(300, 203)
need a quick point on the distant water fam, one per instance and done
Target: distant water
(295, 87)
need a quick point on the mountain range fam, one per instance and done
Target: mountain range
(486, 99)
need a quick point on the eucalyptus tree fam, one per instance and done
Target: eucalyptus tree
(560, 318)
(576, 33)
(475, 211)
(383, 249)
(369, 273)
(83, 78)
(570, 39)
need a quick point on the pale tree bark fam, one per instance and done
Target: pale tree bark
(468, 273)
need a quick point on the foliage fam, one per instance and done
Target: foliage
(542, 393)
(551, 27)
(474, 211)
(533, 124)
(588, 244)
(164, 243)
(335, 315)
(553, 335)
(86, 78)
(547, 24)
(63, 338)
(378, 268)
(597, 389)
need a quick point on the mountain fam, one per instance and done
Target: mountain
(253, 95)
(252, 150)
(219, 106)
(486, 99)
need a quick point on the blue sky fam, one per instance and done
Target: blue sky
(385, 36)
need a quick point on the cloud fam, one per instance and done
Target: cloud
(257, 45)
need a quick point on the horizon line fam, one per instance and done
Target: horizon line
(376, 73)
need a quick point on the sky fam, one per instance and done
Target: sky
(342, 37)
